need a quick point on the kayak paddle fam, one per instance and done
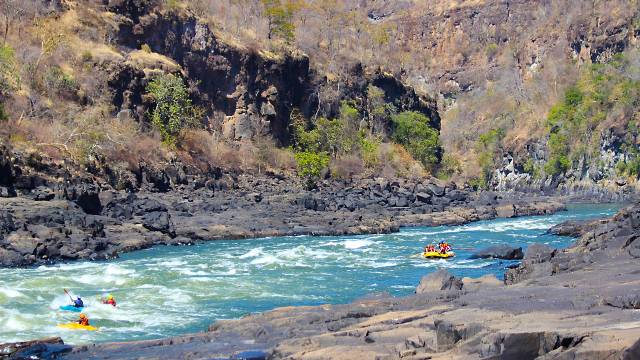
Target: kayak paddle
(67, 292)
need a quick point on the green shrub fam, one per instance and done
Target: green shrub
(59, 82)
(369, 148)
(489, 148)
(86, 56)
(9, 78)
(310, 166)
(173, 108)
(412, 130)
(338, 136)
(449, 166)
(602, 90)
(557, 165)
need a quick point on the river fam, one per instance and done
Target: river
(166, 291)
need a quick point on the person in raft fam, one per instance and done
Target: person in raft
(84, 320)
(109, 300)
(429, 248)
(444, 247)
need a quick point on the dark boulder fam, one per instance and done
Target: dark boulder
(159, 221)
(86, 196)
(457, 195)
(42, 193)
(7, 224)
(539, 253)
(436, 190)
(423, 197)
(487, 198)
(573, 228)
(505, 252)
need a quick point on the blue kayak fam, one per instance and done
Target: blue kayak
(71, 308)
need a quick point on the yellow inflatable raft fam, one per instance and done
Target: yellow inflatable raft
(76, 326)
(438, 255)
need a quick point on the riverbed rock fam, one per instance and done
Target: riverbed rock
(573, 228)
(48, 348)
(438, 281)
(504, 252)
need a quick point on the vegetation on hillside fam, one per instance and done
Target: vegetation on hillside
(605, 98)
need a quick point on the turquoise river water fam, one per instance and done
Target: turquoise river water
(166, 291)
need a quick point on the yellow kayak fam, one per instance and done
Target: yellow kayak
(438, 255)
(76, 326)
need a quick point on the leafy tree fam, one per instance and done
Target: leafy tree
(173, 110)
(280, 17)
(310, 166)
(412, 130)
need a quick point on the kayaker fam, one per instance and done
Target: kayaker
(109, 300)
(84, 320)
(78, 302)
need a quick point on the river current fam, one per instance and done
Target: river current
(166, 291)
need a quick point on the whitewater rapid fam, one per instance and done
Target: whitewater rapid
(166, 291)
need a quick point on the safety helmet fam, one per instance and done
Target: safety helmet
(109, 297)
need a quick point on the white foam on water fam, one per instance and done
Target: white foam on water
(113, 269)
(383, 264)
(357, 244)
(10, 293)
(266, 259)
(255, 252)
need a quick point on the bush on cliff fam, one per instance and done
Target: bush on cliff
(412, 130)
(605, 94)
(310, 165)
(173, 109)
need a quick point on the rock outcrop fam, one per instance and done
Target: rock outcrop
(505, 252)
(257, 91)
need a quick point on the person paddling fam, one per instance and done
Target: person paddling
(83, 320)
(109, 300)
(77, 302)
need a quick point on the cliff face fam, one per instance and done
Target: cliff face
(504, 64)
(246, 92)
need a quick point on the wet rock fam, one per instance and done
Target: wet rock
(573, 228)
(504, 252)
(49, 348)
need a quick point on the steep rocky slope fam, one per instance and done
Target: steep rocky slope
(256, 91)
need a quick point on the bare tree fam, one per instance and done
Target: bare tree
(12, 11)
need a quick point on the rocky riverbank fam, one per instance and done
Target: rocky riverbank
(47, 224)
(577, 303)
